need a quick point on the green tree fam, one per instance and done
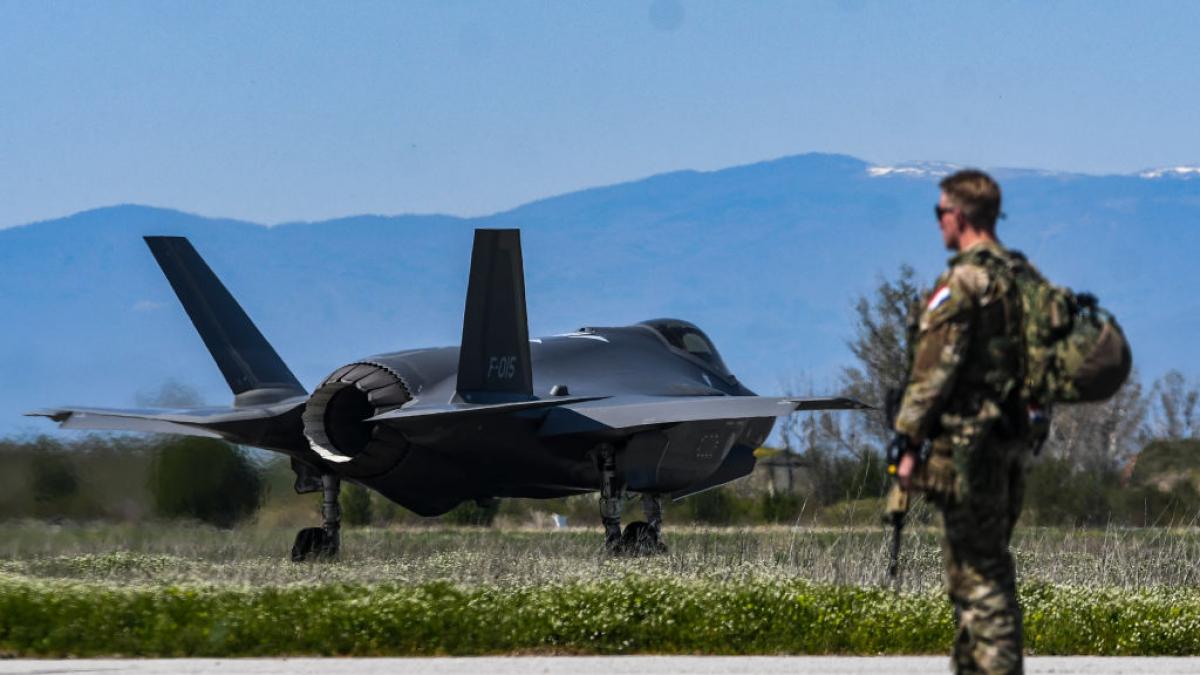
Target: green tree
(779, 507)
(880, 345)
(717, 506)
(356, 504)
(54, 478)
(479, 514)
(843, 452)
(205, 479)
(1057, 492)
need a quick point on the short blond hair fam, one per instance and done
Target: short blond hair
(976, 194)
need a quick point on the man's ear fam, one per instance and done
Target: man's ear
(961, 222)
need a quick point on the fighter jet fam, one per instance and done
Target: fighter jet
(648, 409)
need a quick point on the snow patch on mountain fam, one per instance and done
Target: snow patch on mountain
(1172, 172)
(914, 170)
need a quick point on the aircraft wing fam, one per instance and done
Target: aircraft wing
(446, 412)
(829, 403)
(624, 412)
(205, 422)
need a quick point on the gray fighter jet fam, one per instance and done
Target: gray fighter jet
(647, 409)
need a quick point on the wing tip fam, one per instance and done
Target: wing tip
(830, 403)
(51, 413)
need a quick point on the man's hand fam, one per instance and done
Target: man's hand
(902, 459)
(904, 472)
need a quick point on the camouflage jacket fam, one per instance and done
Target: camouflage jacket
(968, 355)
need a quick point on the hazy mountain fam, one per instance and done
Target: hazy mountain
(767, 258)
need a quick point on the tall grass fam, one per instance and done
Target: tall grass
(173, 553)
(194, 590)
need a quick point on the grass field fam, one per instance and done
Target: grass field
(192, 590)
(174, 554)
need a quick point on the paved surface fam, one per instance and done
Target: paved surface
(589, 665)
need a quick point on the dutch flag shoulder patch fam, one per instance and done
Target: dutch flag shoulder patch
(938, 298)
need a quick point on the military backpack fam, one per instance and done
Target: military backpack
(1076, 351)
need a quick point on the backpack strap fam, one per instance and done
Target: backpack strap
(1015, 267)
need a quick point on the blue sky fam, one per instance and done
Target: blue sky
(282, 111)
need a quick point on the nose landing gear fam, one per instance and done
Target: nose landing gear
(640, 538)
(645, 537)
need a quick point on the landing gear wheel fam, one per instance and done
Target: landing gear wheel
(314, 543)
(640, 539)
(322, 543)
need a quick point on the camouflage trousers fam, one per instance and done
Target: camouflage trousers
(978, 521)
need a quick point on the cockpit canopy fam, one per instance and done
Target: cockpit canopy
(687, 338)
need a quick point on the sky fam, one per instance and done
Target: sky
(276, 112)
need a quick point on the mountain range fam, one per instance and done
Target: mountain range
(767, 258)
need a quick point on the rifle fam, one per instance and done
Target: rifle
(897, 510)
(898, 497)
(897, 505)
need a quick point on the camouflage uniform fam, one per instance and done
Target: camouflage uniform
(964, 395)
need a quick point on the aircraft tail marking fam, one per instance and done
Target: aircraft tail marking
(494, 362)
(249, 363)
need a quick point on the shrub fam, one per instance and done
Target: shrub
(780, 507)
(633, 614)
(1167, 456)
(1057, 493)
(718, 506)
(1146, 505)
(356, 504)
(54, 483)
(480, 514)
(205, 479)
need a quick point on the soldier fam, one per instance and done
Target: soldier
(964, 397)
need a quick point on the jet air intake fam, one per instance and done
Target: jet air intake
(335, 419)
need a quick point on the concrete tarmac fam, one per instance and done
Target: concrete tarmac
(591, 665)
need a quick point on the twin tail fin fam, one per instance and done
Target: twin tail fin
(494, 361)
(249, 363)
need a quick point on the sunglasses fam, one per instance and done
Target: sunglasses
(940, 210)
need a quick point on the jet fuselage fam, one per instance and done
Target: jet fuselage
(438, 464)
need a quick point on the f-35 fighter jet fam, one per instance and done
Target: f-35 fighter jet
(648, 409)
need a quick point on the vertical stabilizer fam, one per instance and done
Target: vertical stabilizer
(250, 365)
(493, 362)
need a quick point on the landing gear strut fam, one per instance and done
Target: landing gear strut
(612, 498)
(322, 543)
(640, 537)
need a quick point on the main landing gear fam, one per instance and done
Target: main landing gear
(639, 537)
(322, 543)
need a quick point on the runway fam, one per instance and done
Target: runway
(591, 665)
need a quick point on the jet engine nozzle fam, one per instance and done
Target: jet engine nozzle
(335, 419)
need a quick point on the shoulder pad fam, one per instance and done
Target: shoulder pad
(979, 255)
(970, 276)
(955, 293)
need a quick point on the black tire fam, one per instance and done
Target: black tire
(314, 543)
(641, 539)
